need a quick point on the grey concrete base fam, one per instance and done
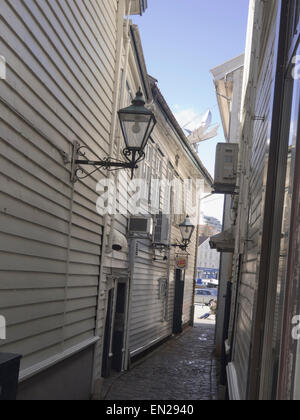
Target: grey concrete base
(98, 390)
(68, 380)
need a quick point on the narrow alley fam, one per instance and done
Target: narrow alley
(149, 202)
(184, 368)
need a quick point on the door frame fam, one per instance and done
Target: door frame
(113, 282)
(178, 301)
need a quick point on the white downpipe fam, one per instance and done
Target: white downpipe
(125, 71)
(248, 104)
(242, 201)
(119, 47)
(117, 131)
(132, 249)
(117, 93)
(130, 253)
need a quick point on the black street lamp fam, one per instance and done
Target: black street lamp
(137, 123)
(187, 230)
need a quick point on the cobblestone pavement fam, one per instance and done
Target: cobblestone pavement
(184, 368)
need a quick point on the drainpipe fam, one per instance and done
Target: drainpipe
(241, 201)
(132, 251)
(249, 105)
(119, 46)
(116, 133)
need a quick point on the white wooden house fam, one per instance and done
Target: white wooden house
(262, 352)
(62, 70)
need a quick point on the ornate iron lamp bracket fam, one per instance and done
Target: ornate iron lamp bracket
(79, 159)
(183, 246)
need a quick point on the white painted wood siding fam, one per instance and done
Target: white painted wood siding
(258, 156)
(60, 68)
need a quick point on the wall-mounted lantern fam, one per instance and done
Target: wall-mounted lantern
(187, 230)
(137, 123)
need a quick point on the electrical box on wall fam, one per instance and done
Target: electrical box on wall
(141, 225)
(161, 229)
(226, 168)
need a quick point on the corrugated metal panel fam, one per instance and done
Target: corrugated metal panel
(60, 65)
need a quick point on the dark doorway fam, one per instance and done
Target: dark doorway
(119, 327)
(224, 357)
(178, 301)
(106, 360)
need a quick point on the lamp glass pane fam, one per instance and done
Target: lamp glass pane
(186, 229)
(149, 130)
(186, 232)
(134, 128)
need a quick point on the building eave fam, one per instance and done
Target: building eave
(224, 88)
(138, 7)
(190, 153)
(140, 60)
(224, 241)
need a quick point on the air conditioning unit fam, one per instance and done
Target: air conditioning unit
(161, 235)
(140, 225)
(226, 168)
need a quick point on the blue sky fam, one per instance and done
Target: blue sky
(182, 41)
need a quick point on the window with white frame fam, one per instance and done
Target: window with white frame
(128, 95)
(173, 195)
(146, 170)
(179, 201)
(151, 173)
(167, 191)
(155, 181)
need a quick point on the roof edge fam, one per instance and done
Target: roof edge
(140, 59)
(159, 98)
